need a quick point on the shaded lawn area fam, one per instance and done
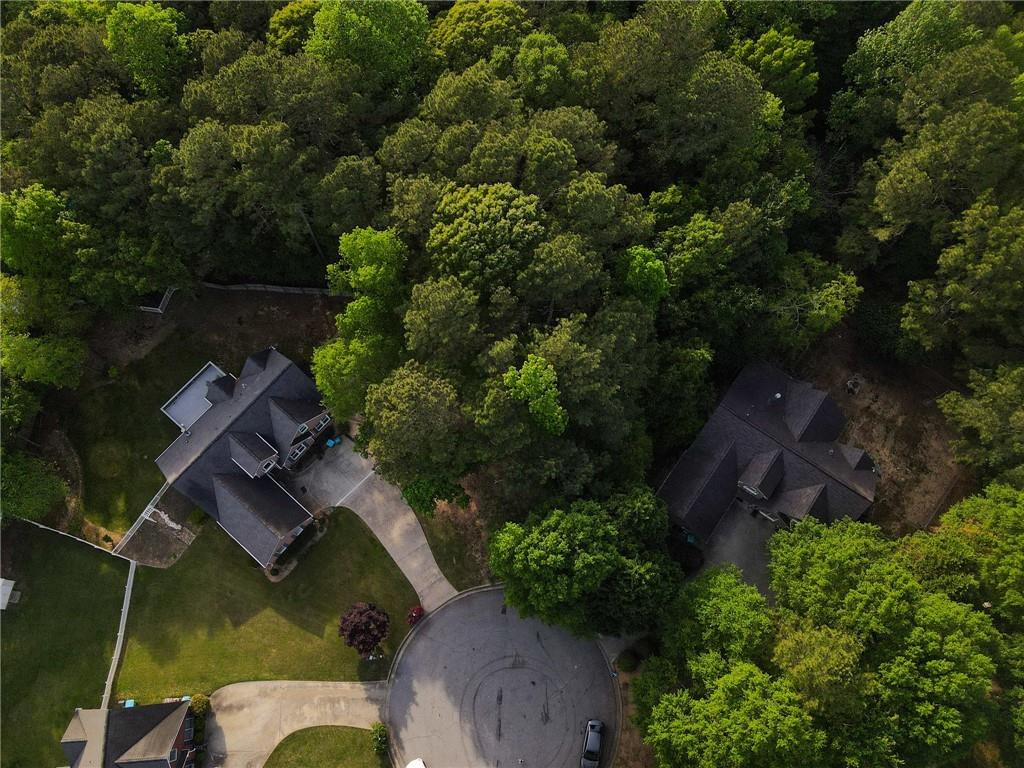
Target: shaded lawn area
(117, 427)
(213, 618)
(57, 641)
(332, 746)
(118, 431)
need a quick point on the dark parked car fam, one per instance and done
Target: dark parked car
(592, 744)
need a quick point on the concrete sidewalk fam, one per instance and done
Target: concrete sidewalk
(248, 720)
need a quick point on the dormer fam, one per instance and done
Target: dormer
(762, 474)
(253, 455)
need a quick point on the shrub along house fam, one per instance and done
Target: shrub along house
(235, 433)
(150, 736)
(768, 456)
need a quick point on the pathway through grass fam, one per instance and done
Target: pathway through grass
(213, 618)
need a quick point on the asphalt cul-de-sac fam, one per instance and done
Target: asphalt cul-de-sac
(477, 685)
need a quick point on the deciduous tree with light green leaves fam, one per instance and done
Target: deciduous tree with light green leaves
(748, 720)
(536, 384)
(384, 38)
(147, 40)
(990, 420)
(591, 567)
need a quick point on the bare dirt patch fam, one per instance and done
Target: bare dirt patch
(894, 417)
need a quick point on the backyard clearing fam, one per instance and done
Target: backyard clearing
(114, 419)
(213, 618)
(329, 746)
(893, 416)
(57, 641)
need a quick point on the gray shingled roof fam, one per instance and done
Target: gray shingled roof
(243, 501)
(768, 422)
(138, 735)
(192, 461)
(250, 451)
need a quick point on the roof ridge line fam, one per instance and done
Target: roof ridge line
(217, 435)
(798, 454)
(236, 497)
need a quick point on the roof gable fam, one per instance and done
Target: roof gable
(250, 451)
(257, 513)
(141, 734)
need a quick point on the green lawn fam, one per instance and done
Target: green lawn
(449, 547)
(213, 618)
(118, 431)
(56, 643)
(326, 747)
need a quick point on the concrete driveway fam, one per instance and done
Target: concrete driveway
(344, 478)
(248, 720)
(477, 685)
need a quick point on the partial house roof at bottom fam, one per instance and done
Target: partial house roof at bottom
(137, 735)
(133, 737)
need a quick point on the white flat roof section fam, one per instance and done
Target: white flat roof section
(6, 588)
(189, 402)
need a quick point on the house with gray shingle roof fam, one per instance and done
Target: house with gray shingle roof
(236, 433)
(149, 736)
(768, 456)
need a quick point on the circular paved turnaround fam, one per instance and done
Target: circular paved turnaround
(476, 685)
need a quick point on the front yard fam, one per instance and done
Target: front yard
(213, 618)
(57, 641)
(326, 746)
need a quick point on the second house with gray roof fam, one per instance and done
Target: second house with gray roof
(235, 434)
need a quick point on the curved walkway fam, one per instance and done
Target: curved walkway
(344, 478)
(248, 720)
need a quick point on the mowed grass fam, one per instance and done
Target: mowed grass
(327, 746)
(451, 552)
(213, 618)
(56, 642)
(118, 431)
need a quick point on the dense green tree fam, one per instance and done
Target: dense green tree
(290, 25)
(719, 613)
(442, 323)
(484, 235)
(30, 486)
(471, 29)
(554, 568)
(51, 58)
(990, 420)
(147, 40)
(384, 38)
(823, 665)
(536, 384)
(413, 426)
(585, 567)
(990, 528)
(748, 720)
(785, 65)
(54, 361)
(976, 299)
(542, 70)
(368, 343)
(887, 57)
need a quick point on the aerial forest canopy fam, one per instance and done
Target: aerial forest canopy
(560, 228)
